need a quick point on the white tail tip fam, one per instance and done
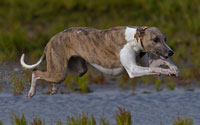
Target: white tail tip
(28, 66)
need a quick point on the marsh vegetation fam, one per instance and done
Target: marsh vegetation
(122, 117)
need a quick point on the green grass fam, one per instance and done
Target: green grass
(84, 119)
(171, 86)
(83, 84)
(17, 120)
(18, 85)
(27, 75)
(1, 88)
(183, 121)
(123, 117)
(157, 84)
(59, 123)
(124, 80)
(97, 78)
(37, 121)
(77, 83)
(21, 120)
(104, 121)
(147, 92)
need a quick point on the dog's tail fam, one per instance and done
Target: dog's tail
(24, 65)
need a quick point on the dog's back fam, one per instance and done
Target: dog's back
(95, 45)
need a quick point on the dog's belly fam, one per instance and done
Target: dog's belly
(114, 71)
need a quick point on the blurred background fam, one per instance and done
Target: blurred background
(26, 27)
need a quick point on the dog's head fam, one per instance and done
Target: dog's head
(153, 41)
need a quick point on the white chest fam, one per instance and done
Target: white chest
(131, 40)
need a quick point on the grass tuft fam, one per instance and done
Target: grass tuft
(81, 120)
(18, 85)
(123, 117)
(37, 121)
(73, 82)
(104, 121)
(97, 78)
(171, 86)
(58, 123)
(157, 84)
(1, 88)
(17, 120)
(27, 75)
(124, 80)
(183, 121)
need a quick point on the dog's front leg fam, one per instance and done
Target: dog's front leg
(128, 60)
(167, 62)
(136, 71)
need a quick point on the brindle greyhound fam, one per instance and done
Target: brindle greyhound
(110, 51)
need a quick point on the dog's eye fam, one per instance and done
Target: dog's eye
(156, 39)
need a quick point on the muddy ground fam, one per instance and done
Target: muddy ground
(146, 109)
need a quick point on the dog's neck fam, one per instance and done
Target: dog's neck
(132, 41)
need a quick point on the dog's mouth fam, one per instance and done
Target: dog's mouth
(163, 57)
(160, 55)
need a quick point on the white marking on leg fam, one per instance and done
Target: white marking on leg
(78, 31)
(54, 89)
(128, 57)
(166, 62)
(128, 60)
(33, 85)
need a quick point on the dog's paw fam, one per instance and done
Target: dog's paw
(53, 92)
(156, 71)
(31, 93)
(174, 70)
(160, 71)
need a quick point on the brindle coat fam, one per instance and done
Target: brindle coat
(71, 49)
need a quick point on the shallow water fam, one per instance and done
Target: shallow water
(146, 109)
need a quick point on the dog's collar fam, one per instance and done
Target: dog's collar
(139, 39)
(140, 34)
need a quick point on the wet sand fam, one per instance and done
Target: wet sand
(146, 109)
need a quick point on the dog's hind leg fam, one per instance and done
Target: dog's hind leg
(33, 85)
(50, 76)
(55, 72)
(54, 89)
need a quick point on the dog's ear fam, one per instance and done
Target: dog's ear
(141, 31)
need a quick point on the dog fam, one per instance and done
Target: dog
(111, 51)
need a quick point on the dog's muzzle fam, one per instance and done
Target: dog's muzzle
(169, 53)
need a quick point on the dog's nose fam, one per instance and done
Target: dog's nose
(170, 53)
